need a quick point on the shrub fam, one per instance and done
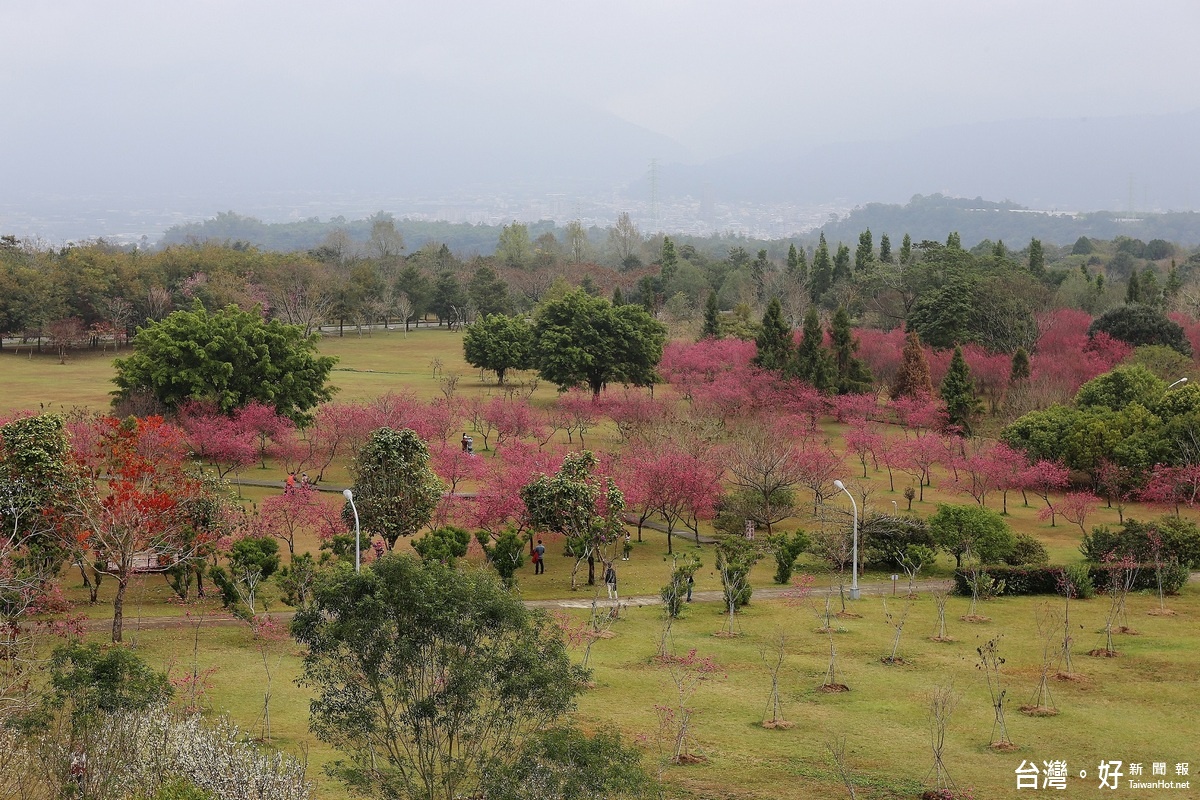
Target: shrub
(1079, 578)
(1027, 551)
(1048, 579)
(1178, 538)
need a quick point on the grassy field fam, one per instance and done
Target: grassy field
(1135, 708)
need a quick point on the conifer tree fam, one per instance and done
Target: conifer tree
(954, 241)
(669, 259)
(841, 264)
(1021, 369)
(906, 250)
(853, 376)
(1174, 282)
(814, 364)
(885, 249)
(774, 339)
(822, 271)
(618, 298)
(912, 379)
(1133, 289)
(712, 318)
(958, 392)
(865, 253)
(1037, 258)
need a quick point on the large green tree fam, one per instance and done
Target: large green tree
(1138, 324)
(981, 531)
(580, 340)
(853, 375)
(499, 343)
(813, 363)
(428, 679)
(395, 490)
(229, 358)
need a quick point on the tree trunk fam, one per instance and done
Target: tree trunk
(119, 606)
(591, 569)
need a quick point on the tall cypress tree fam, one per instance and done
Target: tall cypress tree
(712, 318)
(670, 261)
(906, 250)
(853, 376)
(958, 392)
(865, 253)
(1133, 289)
(885, 249)
(814, 364)
(1037, 258)
(841, 264)
(822, 271)
(912, 379)
(774, 339)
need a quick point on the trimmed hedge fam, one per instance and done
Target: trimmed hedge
(1019, 581)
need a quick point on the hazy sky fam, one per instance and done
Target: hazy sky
(716, 77)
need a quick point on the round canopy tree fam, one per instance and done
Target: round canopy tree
(582, 340)
(1138, 324)
(228, 358)
(499, 343)
(395, 489)
(427, 678)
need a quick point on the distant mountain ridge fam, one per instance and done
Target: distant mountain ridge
(1065, 164)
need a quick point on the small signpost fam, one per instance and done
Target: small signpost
(895, 578)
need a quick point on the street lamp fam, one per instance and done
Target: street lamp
(1176, 383)
(349, 495)
(854, 593)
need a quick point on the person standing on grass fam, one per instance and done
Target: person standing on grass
(290, 484)
(610, 580)
(627, 548)
(539, 558)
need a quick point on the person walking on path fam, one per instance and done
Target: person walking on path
(539, 558)
(290, 483)
(610, 580)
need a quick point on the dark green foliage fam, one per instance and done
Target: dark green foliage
(786, 549)
(864, 255)
(448, 298)
(1139, 324)
(488, 293)
(682, 574)
(567, 764)
(853, 376)
(1021, 368)
(506, 554)
(774, 339)
(228, 358)
(90, 682)
(958, 393)
(814, 364)
(395, 489)
(736, 556)
(841, 264)
(1083, 247)
(1037, 258)
(36, 480)
(581, 340)
(1118, 388)
(1027, 551)
(409, 655)
(885, 250)
(445, 544)
(499, 343)
(712, 318)
(1164, 540)
(1133, 289)
(1031, 580)
(296, 579)
(974, 530)
(884, 539)
(1076, 581)
(822, 271)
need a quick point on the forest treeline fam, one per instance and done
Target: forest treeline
(989, 295)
